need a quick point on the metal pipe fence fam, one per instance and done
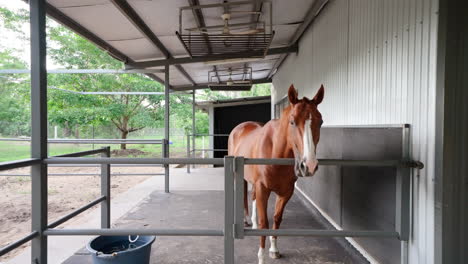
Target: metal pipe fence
(233, 201)
(17, 164)
(193, 149)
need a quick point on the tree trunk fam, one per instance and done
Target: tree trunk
(77, 132)
(124, 136)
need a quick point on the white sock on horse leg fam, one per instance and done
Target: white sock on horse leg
(274, 252)
(254, 215)
(261, 256)
(273, 246)
(246, 219)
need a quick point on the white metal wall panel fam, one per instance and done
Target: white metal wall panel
(376, 59)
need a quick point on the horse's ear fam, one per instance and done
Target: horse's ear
(292, 95)
(318, 98)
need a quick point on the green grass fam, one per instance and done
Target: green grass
(10, 150)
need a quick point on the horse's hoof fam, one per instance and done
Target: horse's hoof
(247, 224)
(275, 255)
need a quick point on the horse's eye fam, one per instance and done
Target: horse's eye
(292, 123)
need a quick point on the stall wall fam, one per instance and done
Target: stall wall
(376, 59)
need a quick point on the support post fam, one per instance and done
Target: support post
(193, 124)
(228, 210)
(38, 130)
(188, 152)
(106, 191)
(403, 196)
(166, 126)
(239, 197)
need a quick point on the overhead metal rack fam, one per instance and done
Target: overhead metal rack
(225, 39)
(230, 79)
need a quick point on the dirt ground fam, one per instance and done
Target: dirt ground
(66, 193)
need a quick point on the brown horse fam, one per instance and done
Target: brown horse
(294, 135)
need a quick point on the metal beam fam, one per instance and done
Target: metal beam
(140, 232)
(166, 127)
(108, 93)
(63, 19)
(38, 130)
(14, 245)
(9, 165)
(224, 4)
(313, 12)
(126, 9)
(210, 58)
(205, 85)
(85, 71)
(318, 233)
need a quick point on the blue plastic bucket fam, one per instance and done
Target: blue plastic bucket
(119, 249)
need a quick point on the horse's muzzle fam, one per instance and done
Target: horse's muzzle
(301, 168)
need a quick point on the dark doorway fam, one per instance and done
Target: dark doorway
(227, 118)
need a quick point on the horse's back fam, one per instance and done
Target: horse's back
(242, 138)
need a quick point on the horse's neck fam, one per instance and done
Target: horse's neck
(281, 147)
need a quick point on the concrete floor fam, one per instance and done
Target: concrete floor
(204, 209)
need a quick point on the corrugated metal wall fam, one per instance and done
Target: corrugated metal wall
(377, 61)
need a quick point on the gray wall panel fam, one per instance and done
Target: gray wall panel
(359, 198)
(377, 61)
(324, 188)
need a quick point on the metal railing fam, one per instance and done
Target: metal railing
(191, 150)
(93, 141)
(233, 189)
(103, 200)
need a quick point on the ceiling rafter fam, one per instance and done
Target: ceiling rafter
(124, 7)
(63, 19)
(205, 85)
(211, 58)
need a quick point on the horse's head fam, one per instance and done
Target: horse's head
(304, 122)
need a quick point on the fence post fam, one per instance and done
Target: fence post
(228, 210)
(239, 197)
(166, 126)
(188, 152)
(105, 191)
(403, 197)
(38, 130)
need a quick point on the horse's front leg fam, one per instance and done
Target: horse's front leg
(262, 194)
(281, 202)
(246, 204)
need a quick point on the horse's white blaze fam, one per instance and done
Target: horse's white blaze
(254, 215)
(309, 146)
(273, 247)
(261, 256)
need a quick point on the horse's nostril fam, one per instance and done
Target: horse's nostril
(303, 166)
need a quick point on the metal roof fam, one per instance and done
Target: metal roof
(141, 33)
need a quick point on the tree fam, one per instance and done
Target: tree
(128, 113)
(14, 89)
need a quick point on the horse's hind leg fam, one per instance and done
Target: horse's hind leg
(246, 204)
(278, 217)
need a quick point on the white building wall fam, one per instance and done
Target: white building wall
(376, 59)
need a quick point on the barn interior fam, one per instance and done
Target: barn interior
(392, 188)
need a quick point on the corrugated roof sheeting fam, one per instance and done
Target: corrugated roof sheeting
(106, 21)
(377, 61)
(162, 16)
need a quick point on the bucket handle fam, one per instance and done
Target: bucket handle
(133, 240)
